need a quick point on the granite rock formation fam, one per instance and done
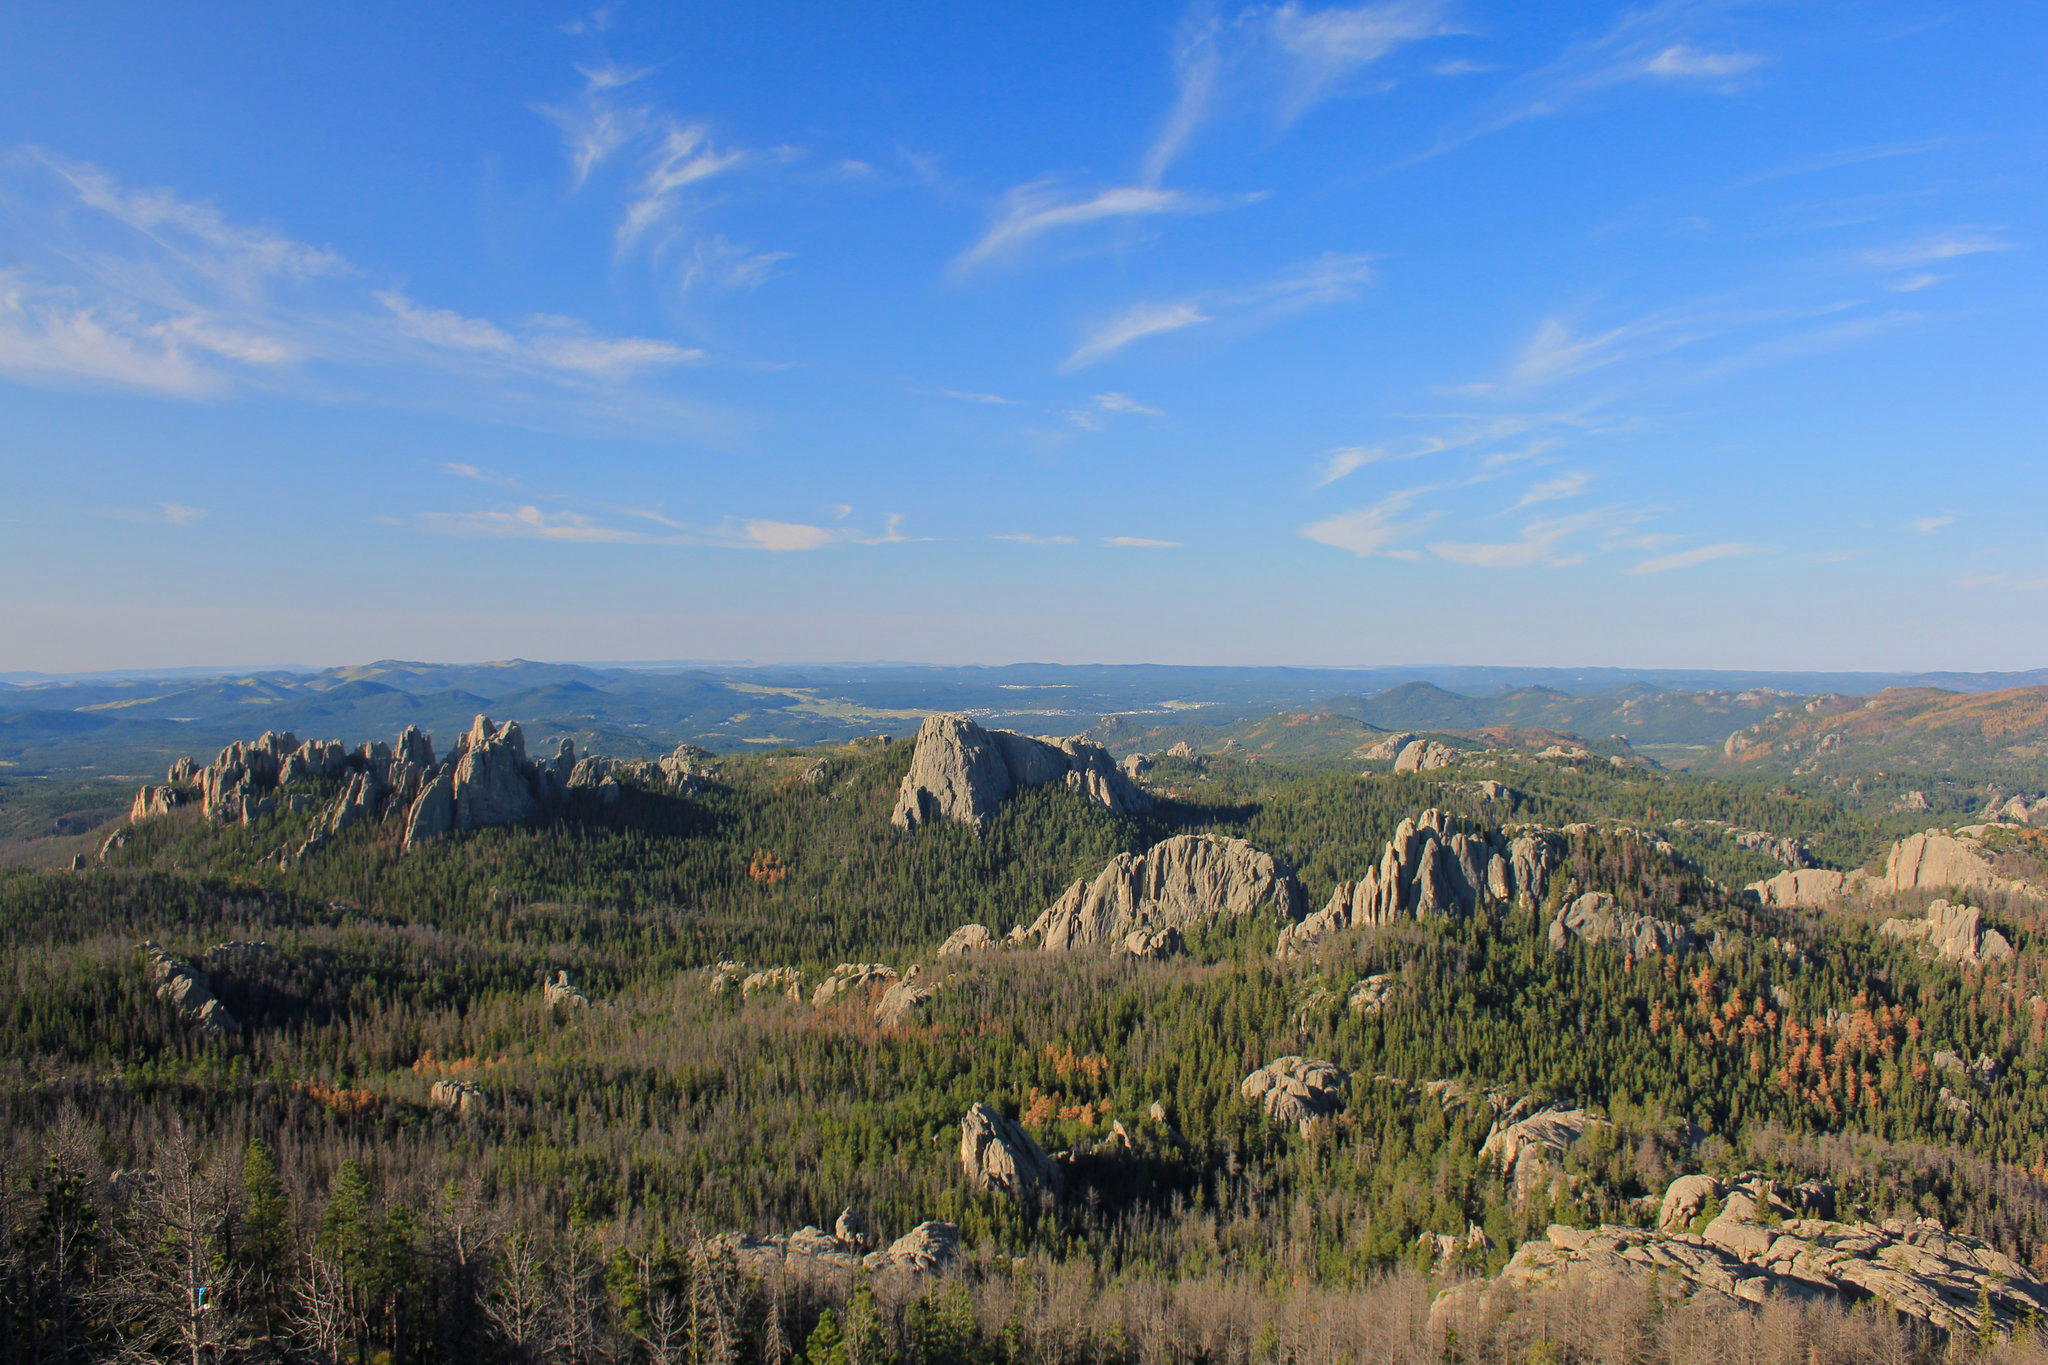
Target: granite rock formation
(1297, 1089)
(1528, 1149)
(996, 1154)
(1954, 933)
(963, 773)
(486, 779)
(1753, 1253)
(1179, 883)
(1596, 918)
(188, 990)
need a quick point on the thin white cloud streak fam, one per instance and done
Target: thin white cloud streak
(1848, 156)
(163, 514)
(1030, 212)
(1197, 66)
(1476, 432)
(1026, 538)
(1680, 62)
(967, 396)
(150, 292)
(1330, 279)
(1376, 529)
(1933, 250)
(1569, 485)
(1326, 46)
(1548, 541)
(1139, 543)
(1699, 554)
(682, 156)
(1287, 57)
(1133, 324)
(1650, 45)
(1927, 525)
(531, 521)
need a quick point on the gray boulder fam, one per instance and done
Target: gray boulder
(996, 1154)
(1297, 1089)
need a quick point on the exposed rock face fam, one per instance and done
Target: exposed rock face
(1152, 945)
(1388, 749)
(487, 779)
(852, 979)
(998, 1155)
(1810, 888)
(855, 1229)
(459, 1096)
(1750, 1254)
(188, 989)
(928, 1249)
(1426, 755)
(1373, 994)
(1297, 1089)
(1435, 865)
(961, 772)
(1955, 933)
(559, 990)
(1944, 860)
(968, 938)
(904, 1001)
(785, 981)
(1596, 918)
(1180, 883)
(1527, 1150)
(1137, 765)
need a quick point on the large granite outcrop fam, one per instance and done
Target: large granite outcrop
(930, 1248)
(1180, 883)
(1943, 860)
(996, 1154)
(486, 779)
(1752, 1253)
(1954, 933)
(1297, 1089)
(1529, 1149)
(1438, 865)
(188, 990)
(963, 773)
(1597, 918)
(1434, 865)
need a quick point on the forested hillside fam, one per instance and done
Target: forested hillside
(561, 1089)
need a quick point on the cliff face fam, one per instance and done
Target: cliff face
(486, 779)
(964, 773)
(1178, 884)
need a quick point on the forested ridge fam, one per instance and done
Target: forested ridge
(301, 1167)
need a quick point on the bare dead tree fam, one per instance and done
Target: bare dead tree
(171, 1288)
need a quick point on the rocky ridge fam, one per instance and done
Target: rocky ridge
(1766, 1243)
(998, 1155)
(963, 773)
(1180, 883)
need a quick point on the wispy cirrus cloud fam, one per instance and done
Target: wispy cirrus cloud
(1696, 556)
(1469, 433)
(1030, 212)
(1330, 279)
(1933, 249)
(615, 525)
(1929, 524)
(1548, 541)
(1569, 485)
(162, 514)
(1139, 543)
(1135, 323)
(1380, 528)
(1283, 60)
(149, 291)
(1654, 45)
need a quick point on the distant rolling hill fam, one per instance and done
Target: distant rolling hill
(1904, 728)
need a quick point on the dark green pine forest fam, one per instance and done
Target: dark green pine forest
(299, 1168)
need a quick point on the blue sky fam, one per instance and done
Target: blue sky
(1683, 333)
